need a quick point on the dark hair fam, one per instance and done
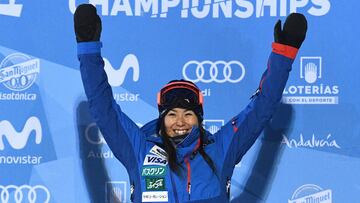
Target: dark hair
(171, 151)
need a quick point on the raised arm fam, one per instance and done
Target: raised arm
(239, 134)
(121, 134)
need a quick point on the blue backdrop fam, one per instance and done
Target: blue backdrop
(51, 151)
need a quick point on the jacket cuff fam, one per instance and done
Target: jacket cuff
(285, 50)
(89, 47)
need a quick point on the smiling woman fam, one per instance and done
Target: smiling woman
(173, 158)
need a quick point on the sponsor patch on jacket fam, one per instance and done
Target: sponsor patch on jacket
(154, 160)
(153, 171)
(158, 151)
(160, 196)
(155, 184)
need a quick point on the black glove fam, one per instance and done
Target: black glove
(294, 31)
(87, 23)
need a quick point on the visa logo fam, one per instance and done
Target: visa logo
(154, 160)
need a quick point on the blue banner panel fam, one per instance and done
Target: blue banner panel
(51, 149)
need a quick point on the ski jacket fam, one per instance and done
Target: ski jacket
(139, 149)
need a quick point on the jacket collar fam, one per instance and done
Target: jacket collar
(184, 149)
(149, 130)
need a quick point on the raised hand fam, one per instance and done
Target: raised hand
(294, 31)
(87, 23)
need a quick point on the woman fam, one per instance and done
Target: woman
(173, 158)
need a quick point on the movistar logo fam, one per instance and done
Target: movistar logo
(117, 77)
(18, 140)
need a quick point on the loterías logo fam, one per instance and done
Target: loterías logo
(11, 9)
(18, 140)
(115, 191)
(208, 8)
(24, 193)
(213, 125)
(116, 77)
(314, 92)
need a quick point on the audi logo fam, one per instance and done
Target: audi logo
(218, 71)
(93, 134)
(19, 191)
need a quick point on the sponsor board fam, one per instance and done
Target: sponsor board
(126, 97)
(18, 72)
(208, 8)
(116, 77)
(94, 136)
(311, 193)
(313, 92)
(100, 155)
(115, 191)
(213, 125)
(18, 141)
(213, 71)
(24, 193)
(313, 142)
(206, 92)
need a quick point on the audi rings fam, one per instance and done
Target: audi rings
(209, 71)
(93, 134)
(18, 191)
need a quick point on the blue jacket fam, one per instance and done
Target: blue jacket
(138, 148)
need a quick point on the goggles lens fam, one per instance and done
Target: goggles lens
(183, 93)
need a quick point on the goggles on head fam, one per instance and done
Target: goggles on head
(179, 90)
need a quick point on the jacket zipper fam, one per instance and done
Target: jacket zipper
(188, 185)
(188, 179)
(132, 190)
(228, 185)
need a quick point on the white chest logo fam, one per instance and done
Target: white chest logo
(154, 160)
(158, 151)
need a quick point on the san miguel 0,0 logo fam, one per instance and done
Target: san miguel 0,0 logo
(18, 72)
(311, 193)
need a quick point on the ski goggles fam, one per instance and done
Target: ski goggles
(179, 91)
